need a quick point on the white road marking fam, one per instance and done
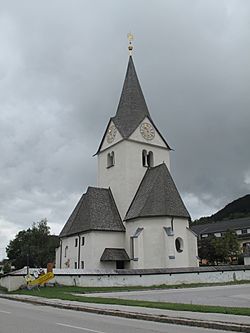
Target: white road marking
(80, 328)
(1, 311)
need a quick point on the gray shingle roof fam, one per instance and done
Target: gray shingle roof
(96, 210)
(221, 226)
(132, 107)
(113, 254)
(157, 196)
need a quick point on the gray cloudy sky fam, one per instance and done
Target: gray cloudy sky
(62, 66)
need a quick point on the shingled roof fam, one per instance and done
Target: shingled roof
(96, 210)
(132, 107)
(157, 196)
(221, 226)
(113, 254)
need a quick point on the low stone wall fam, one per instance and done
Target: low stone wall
(139, 277)
(12, 282)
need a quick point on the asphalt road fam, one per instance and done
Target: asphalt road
(234, 295)
(26, 318)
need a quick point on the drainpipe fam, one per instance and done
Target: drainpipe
(79, 250)
(60, 253)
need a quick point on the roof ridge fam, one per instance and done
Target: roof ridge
(113, 199)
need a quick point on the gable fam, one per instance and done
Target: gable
(111, 136)
(156, 138)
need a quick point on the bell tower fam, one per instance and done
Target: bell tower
(131, 143)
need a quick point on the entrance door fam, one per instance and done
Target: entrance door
(120, 264)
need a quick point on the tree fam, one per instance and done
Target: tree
(34, 246)
(6, 267)
(232, 246)
(220, 250)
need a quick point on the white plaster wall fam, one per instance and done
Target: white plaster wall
(125, 176)
(155, 246)
(91, 251)
(108, 279)
(157, 140)
(58, 249)
(12, 283)
(193, 249)
(71, 255)
(188, 257)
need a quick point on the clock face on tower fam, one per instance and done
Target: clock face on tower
(111, 133)
(147, 131)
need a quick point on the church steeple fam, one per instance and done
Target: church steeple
(132, 107)
(131, 143)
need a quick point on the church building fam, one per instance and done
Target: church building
(134, 218)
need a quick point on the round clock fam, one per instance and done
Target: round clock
(111, 133)
(147, 131)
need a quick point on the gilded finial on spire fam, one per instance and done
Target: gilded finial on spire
(130, 46)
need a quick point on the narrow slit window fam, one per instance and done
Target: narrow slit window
(144, 158)
(65, 251)
(150, 159)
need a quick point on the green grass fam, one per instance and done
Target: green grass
(84, 290)
(65, 293)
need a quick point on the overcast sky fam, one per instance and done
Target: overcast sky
(62, 66)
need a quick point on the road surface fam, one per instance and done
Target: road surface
(27, 318)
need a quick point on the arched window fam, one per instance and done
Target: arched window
(144, 158)
(179, 244)
(150, 159)
(147, 159)
(110, 159)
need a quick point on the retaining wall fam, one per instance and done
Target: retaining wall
(139, 277)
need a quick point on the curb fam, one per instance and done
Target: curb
(141, 316)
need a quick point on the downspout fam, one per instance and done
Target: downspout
(60, 253)
(79, 250)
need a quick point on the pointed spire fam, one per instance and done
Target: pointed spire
(132, 107)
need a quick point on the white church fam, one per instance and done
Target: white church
(135, 217)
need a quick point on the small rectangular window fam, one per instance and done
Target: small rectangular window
(82, 264)
(65, 251)
(76, 242)
(75, 265)
(110, 159)
(83, 241)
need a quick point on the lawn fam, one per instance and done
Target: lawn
(65, 293)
